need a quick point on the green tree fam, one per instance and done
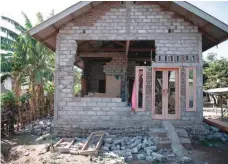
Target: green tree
(215, 72)
(77, 80)
(30, 59)
(8, 38)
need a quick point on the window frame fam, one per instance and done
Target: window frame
(188, 69)
(144, 87)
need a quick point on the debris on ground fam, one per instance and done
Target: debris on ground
(134, 148)
(207, 135)
(93, 144)
(40, 126)
(113, 149)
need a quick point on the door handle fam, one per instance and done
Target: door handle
(165, 91)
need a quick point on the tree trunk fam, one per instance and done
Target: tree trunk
(32, 97)
(17, 85)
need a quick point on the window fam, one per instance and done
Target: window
(140, 80)
(191, 89)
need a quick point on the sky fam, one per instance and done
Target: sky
(13, 9)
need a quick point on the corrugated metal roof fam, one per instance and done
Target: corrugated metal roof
(217, 91)
(213, 30)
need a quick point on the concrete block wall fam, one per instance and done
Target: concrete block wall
(95, 73)
(113, 17)
(148, 88)
(131, 68)
(99, 112)
(114, 21)
(117, 66)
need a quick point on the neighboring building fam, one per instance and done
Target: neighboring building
(115, 43)
(6, 84)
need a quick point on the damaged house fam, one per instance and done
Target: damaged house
(141, 63)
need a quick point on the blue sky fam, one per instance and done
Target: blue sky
(13, 9)
(218, 9)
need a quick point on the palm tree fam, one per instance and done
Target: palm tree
(30, 59)
(10, 36)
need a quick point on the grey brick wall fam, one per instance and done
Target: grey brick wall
(95, 73)
(117, 66)
(114, 21)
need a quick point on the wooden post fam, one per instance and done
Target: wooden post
(221, 108)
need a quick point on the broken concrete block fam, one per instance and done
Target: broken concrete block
(141, 157)
(186, 160)
(108, 140)
(149, 158)
(159, 157)
(134, 150)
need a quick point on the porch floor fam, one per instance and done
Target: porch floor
(219, 123)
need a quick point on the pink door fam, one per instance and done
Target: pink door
(165, 93)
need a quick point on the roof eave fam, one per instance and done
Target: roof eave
(57, 17)
(202, 14)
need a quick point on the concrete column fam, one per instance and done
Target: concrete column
(199, 83)
(64, 81)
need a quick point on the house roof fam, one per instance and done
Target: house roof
(213, 30)
(217, 91)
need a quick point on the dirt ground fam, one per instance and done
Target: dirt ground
(23, 149)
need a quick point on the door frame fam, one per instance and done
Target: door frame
(165, 114)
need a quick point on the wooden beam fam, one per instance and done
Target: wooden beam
(169, 4)
(127, 47)
(88, 41)
(132, 42)
(49, 36)
(119, 43)
(224, 38)
(116, 49)
(55, 27)
(139, 59)
(205, 26)
(48, 45)
(99, 54)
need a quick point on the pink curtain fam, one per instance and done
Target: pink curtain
(133, 97)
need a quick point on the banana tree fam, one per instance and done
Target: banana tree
(33, 60)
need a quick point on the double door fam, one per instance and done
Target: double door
(165, 93)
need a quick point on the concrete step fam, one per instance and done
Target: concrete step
(184, 139)
(158, 132)
(176, 144)
(160, 138)
(166, 144)
(178, 136)
(186, 142)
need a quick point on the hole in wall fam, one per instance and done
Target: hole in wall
(84, 31)
(170, 30)
(134, 2)
(193, 58)
(186, 58)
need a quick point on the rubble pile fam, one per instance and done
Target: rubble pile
(40, 127)
(206, 133)
(134, 148)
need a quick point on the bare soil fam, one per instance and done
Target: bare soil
(23, 149)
